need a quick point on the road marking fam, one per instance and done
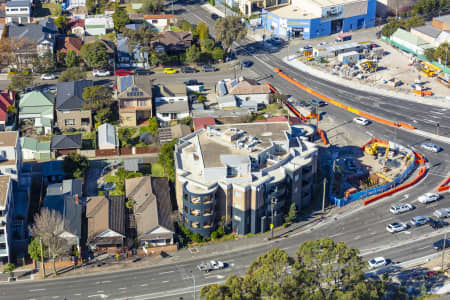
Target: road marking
(101, 296)
(145, 284)
(55, 297)
(77, 294)
(335, 235)
(167, 272)
(106, 281)
(407, 232)
(165, 281)
(424, 247)
(37, 290)
(100, 291)
(387, 219)
(124, 288)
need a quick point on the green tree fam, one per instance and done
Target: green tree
(120, 19)
(414, 21)
(142, 37)
(20, 81)
(105, 115)
(96, 97)
(431, 8)
(207, 45)
(71, 74)
(218, 54)
(391, 26)
(201, 98)
(166, 159)
(62, 23)
(94, 54)
(229, 30)
(192, 54)
(442, 53)
(152, 6)
(9, 268)
(71, 59)
(75, 165)
(125, 135)
(429, 53)
(158, 58)
(292, 214)
(34, 249)
(153, 125)
(203, 31)
(91, 6)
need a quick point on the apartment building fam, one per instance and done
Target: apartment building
(6, 214)
(247, 173)
(18, 11)
(10, 154)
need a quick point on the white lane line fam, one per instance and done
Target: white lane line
(124, 288)
(165, 281)
(77, 294)
(424, 247)
(145, 284)
(167, 272)
(55, 297)
(387, 219)
(100, 291)
(37, 290)
(335, 235)
(106, 281)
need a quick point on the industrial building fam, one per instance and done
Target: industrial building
(309, 19)
(247, 173)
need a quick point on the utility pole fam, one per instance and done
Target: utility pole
(42, 256)
(437, 128)
(271, 224)
(172, 9)
(324, 193)
(443, 251)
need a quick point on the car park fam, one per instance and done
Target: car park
(188, 70)
(169, 71)
(361, 121)
(436, 224)
(396, 227)
(398, 208)
(442, 213)
(101, 73)
(317, 102)
(208, 68)
(377, 262)
(439, 245)
(246, 63)
(430, 147)
(419, 220)
(192, 82)
(428, 198)
(122, 72)
(47, 76)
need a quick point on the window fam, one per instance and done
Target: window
(14, 9)
(85, 121)
(154, 21)
(142, 102)
(237, 218)
(24, 9)
(69, 122)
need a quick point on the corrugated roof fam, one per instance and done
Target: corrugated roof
(28, 143)
(406, 36)
(107, 135)
(427, 30)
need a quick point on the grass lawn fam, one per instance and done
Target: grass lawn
(47, 9)
(271, 109)
(157, 170)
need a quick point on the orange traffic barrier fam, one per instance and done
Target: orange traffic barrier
(445, 185)
(271, 88)
(419, 93)
(420, 159)
(407, 126)
(428, 93)
(422, 173)
(373, 140)
(323, 136)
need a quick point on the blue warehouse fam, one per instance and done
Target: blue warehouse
(314, 18)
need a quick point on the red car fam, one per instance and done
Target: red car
(122, 72)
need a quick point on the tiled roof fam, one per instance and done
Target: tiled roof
(175, 39)
(76, 23)
(5, 101)
(246, 86)
(200, 123)
(105, 214)
(67, 43)
(72, 141)
(152, 17)
(69, 95)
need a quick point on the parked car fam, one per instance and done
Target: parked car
(122, 72)
(361, 121)
(192, 82)
(442, 213)
(428, 198)
(214, 16)
(419, 220)
(143, 72)
(396, 227)
(439, 245)
(246, 63)
(188, 70)
(208, 68)
(377, 262)
(399, 208)
(317, 102)
(169, 71)
(430, 147)
(47, 76)
(436, 224)
(100, 73)
(275, 40)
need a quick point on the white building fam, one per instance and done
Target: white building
(160, 22)
(107, 137)
(98, 24)
(171, 104)
(18, 11)
(10, 154)
(6, 214)
(71, 4)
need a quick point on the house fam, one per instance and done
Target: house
(69, 106)
(64, 44)
(32, 149)
(173, 41)
(106, 223)
(160, 22)
(71, 4)
(37, 107)
(18, 11)
(426, 32)
(52, 171)
(134, 94)
(10, 154)
(65, 144)
(6, 218)
(98, 24)
(77, 27)
(107, 137)
(6, 99)
(226, 101)
(200, 123)
(171, 102)
(130, 57)
(65, 197)
(152, 209)
(247, 92)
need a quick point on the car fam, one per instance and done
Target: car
(211, 265)
(396, 227)
(246, 63)
(430, 147)
(428, 198)
(399, 208)
(377, 262)
(48, 76)
(143, 72)
(192, 82)
(361, 121)
(317, 102)
(188, 70)
(442, 213)
(302, 103)
(100, 73)
(275, 40)
(122, 72)
(436, 224)
(419, 220)
(214, 16)
(439, 245)
(208, 68)
(169, 71)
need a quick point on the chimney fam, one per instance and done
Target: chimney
(76, 199)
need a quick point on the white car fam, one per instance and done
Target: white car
(396, 227)
(430, 147)
(361, 121)
(428, 198)
(47, 76)
(216, 264)
(101, 73)
(377, 262)
(399, 208)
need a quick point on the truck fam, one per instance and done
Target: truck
(211, 265)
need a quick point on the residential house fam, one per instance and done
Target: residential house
(106, 223)
(64, 44)
(65, 197)
(160, 22)
(71, 4)
(10, 154)
(226, 101)
(32, 149)
(107, 137)
(77, 27)
(134, 94)
(65, 144)
(247, 92)
(18, 11)
(6, 218)
(173, 41)
(52, 171)
(200, 123)
(171, 102)
(6, 99)
(69, 106)
(130, 56)
(152, 210)
(37, 107)
(98, 24)
(167, 134)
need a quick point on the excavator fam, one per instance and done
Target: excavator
(368, 65)
(372, 149)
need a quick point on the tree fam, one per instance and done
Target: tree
(143, 36)
(441, 53)
(75, 164)
(166, 159)
(34, 249)
(94, 54)
(201, 98)
(430, 8)
(71, 59)
(192, 54)
(153, 125)
(11, 49)
(125, 135)
(71, 74)
(158, 58)
(20, 81)
(104, 115)
(96, 97)
(429, 53)
(394, 24)
(207, 45)
(91, 6)
(218, 54)
(414, 21)
(203, 31)
(120, 19)
(229, 30)
(9, 268)
(49, 226)
(152, 6)
(62, 23)
(45, 63)
(292, 215)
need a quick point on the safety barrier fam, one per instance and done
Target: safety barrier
(285, 102)
(444, 186)
(323, 136)
(271, 88)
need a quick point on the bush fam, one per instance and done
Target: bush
(201, 98)
(214, 236)
(197, 238)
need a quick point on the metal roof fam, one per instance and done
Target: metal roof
(107, 135)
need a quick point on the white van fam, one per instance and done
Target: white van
(442, 213)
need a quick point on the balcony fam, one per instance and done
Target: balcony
(195, 212)
(195, 225)
(3, 252)
(2, 239)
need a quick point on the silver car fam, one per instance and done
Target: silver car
(430, 147)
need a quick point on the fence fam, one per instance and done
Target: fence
(142, 150)
(107, 152)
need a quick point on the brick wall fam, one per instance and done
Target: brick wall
(141, 150)
(126, 151)
(76, 116)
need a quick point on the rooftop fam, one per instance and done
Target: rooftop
(4, 185)
(152, 17)
(428, 30)
(445, 18)
(292, 12)
(8, 138)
